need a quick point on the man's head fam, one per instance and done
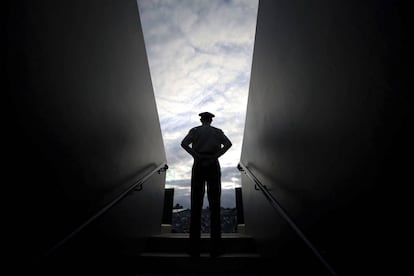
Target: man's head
(206, 117)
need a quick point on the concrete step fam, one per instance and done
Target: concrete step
(166, 253)
(202, 255)
(177, 263)
(178, 242)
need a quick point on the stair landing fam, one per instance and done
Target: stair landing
(166, 254)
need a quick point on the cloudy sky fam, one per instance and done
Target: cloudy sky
(200, 55)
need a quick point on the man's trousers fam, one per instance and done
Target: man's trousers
(205, 175)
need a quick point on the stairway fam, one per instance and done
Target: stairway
(166, 253)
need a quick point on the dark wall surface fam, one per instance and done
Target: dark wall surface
(327, 129)
(82, 123)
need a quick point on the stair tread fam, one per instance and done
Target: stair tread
(203, 236)
(176, 243)
(202, 255)
(160, 262)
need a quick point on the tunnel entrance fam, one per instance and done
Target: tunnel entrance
(200, 56)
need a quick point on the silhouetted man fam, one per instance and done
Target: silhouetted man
(207, 145)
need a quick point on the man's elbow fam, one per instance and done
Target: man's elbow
(185, 146)
(229, 144)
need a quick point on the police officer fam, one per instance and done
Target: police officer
(207, 145)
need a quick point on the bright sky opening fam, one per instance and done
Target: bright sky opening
(200, 56)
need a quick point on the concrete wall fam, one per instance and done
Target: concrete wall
(82, 123)
(327, 129)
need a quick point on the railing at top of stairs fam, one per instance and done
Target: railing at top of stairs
(276, 205)
(136, 186)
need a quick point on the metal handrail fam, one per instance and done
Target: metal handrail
(137, 186)
(275, 204)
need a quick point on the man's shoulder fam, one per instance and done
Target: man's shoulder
(201, 128)
(216, 129)
(195, 128)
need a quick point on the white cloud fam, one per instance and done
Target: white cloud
(200, 55)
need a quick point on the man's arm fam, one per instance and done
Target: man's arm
(226, 145)
(185, 144)
(189, 149)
